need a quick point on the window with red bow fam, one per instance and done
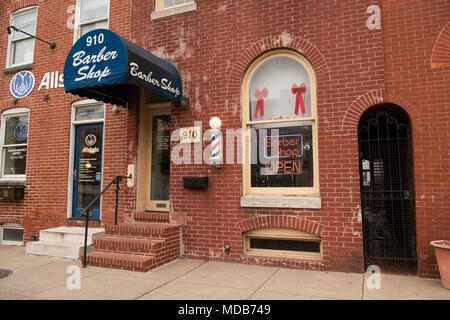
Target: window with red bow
(280, 116)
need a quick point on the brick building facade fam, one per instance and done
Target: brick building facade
(356, 64)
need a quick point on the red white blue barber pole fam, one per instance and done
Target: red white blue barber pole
(216, 142)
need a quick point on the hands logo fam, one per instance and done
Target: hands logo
(22, 84)
(21, 132)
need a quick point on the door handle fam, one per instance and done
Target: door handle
(74, 174)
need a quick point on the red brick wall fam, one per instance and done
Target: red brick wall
(411, 29)
(355, 68)
(45, 203)
(212, 48)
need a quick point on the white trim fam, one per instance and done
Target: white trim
(300, 202)
(77, 24)
(170, 11)
(12, 113)
(73, 124)
(10, 226)
(9, 54)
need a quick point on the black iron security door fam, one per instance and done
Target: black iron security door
(387, 189)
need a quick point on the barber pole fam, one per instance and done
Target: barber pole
(216, 152)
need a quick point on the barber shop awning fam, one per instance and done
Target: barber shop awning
(101, 65)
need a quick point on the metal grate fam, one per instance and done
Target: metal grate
(387, 187)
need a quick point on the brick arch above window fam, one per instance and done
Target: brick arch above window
(14, 220)
(21, 4)
(290, 222)
(283, 41)
(9, 104)
(440, 57)
(370, 99)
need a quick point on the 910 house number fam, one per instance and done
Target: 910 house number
(190, 135)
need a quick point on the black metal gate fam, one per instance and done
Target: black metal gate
(387, 189)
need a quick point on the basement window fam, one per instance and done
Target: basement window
(11, 234)
(283, 243)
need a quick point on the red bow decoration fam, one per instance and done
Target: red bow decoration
(299, 92)
(260, 95)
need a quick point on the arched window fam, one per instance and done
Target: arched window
(280, 118)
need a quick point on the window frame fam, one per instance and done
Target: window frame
(282, 234)
(10, 226)
(11, 41)
(248, 190)
(78, 24)
(15, 112)
(160, 11)
(159, 5)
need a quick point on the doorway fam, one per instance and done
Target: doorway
(387, 189)
(157, 164)
(87, 173)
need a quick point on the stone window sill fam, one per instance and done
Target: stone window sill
(12, 183)
(26, 66)
(188, 7)
(281, 202)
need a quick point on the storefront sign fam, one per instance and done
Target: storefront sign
(52, 80)
(101, 60)
(285, 153)
(22, 84)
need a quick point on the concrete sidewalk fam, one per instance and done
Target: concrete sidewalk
(185, 279)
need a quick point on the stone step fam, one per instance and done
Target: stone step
(128, 245)
(142, 230)
(120, 261)
(158, 217)
(66, 250)
(73, 235)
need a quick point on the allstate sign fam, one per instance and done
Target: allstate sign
(22, 84)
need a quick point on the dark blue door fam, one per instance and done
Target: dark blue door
(87, 174)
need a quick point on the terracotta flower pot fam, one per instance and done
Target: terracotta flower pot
(442, 251)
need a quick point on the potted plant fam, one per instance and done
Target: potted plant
(442, 251)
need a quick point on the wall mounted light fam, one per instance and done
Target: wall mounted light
(116, 109)
(216, 142)
(227, 248)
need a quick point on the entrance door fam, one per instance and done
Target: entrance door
(158, 167)
(387, 189)
(87, 174)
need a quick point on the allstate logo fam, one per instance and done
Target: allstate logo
(21, 132)
(22, 84)
(90, 140)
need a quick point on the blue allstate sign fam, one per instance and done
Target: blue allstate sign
(21, 131)
(22, 84)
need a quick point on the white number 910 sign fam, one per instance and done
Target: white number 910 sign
(190, 135)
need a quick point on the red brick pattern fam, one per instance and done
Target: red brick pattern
(212, 48)
(441, 51)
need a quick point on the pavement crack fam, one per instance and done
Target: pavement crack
(270, 277)
(172, 280)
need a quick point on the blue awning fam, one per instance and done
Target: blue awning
(101, 65)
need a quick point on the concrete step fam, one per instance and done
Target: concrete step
(120, 261)
(158, 217)
(142, 230)
(73, 235)
(66, 250)
(128, 245)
